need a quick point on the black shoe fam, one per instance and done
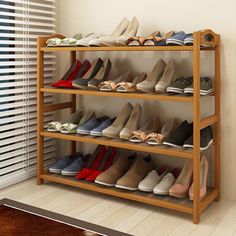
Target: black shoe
(101, 76)
(206, 139)
(82, 82)
(180, 135)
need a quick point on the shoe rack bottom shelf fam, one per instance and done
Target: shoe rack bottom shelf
(182, 205)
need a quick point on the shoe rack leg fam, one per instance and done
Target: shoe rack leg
(217, 126)
(73, 100)
(196, 128)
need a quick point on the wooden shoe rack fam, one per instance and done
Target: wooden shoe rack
(211, 42)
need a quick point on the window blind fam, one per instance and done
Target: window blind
(21, 22)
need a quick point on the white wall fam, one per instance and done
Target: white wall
(102, 16)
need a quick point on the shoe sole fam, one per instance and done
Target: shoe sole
(172, 145)
(124, 187)
(201, 148)
(96, 133)
(145, 190)
(202, 92)
(174, 90)
(79, 86)
(83, 132)
(106, 90)
(174, 42)
(92, 86)
(178, 195)
(135, 141)
(160, 193)
(110, 136)
(152, 143)
(55, 171)
(105, 184)
(69, 173)
(67, 132)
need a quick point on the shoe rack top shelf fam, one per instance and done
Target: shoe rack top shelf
(123, 48)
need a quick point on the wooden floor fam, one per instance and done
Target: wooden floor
(126, 216)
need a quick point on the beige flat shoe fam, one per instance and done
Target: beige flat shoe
(132, 123)
(129, 87)
(119, 123)
(140, 136)
(158, 138)
(204, 166)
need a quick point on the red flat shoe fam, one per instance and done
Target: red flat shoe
(93, 163)
(107, 162)
(77, 73)
(75, 65)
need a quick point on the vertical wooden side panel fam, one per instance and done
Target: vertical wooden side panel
(217, 126)
(73, 100)
(196, 127)
(40, 101)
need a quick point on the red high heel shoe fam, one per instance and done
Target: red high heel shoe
(105, 164)
(75, 66)
(77, 73)
(93, 163)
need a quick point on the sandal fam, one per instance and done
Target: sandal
(154, 37)
(140, 136)
(167, 129)
(128, 87)
(53, 42)
(159, 40)
(139, 41)
(55, 126)
(111, 85)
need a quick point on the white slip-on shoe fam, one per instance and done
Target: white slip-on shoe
(165, 184)
(131, 31)
(152, 179)
(167, 77)
(110, 40)
(84, 42)
(149, 83)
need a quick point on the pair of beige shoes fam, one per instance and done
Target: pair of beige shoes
(159, 79)
(182, 187)
(127, 121)
(150, 132)
(126, 172)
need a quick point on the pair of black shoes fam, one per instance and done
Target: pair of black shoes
(183, 137)
(98, 72)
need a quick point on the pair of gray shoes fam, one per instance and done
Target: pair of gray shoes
(98, 72)
(184, 85)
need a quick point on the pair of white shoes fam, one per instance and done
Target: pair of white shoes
(157, 183)
(119, 37)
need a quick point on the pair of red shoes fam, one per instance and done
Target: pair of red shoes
(100, 161)
(76, 70)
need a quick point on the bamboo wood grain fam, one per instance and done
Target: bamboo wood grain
(124, 48)
(217, 126)
(210, 120)
(56, 107)
(119, 143)
(154, 200)
(208, 199)
(144, 96)
(196, 127)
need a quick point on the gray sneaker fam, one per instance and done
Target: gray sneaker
(206, 87)
(74, 167)
(63, 162)
(179, 85)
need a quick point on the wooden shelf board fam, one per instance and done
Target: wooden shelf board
(182, 205)
(145, 96)
(123, 48)
(206, 201)
(119, 143)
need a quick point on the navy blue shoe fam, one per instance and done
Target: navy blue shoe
(73, 169)
(90, 125)
(64, 162)
(176, 39)
(98, 130)
(188, 41)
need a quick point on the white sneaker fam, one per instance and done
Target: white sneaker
(167, 77)
(84, 42)
(110, 40)
(131, 31)
(163, 187)
(150, 181)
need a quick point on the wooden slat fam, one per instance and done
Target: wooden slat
(208, 199)
(58, 106)
(177, 204)
(210, 120)
(121, 144)
(144, 96)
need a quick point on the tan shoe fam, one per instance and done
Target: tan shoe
(140, 136)
(119, 123)
(136, 173)
(149, 83)
(116, 171)
(133, 122)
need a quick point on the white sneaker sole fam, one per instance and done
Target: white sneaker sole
(69, 173)
(143, 189)
(174, 41)
(161, 193)
(172, 145)
(83, 132)
(201, 148)
(55, 171)
(105, 184)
